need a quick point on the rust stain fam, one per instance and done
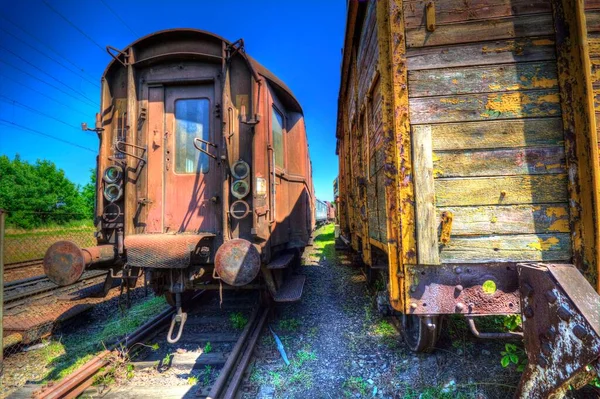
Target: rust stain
(542, 42)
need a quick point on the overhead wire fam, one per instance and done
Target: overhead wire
(119, 18)
(27, 129)
(70, 69)
(9, 100)
(74, 26)
(47, 74)
(47, 46)
(45, 95)
(88, 103)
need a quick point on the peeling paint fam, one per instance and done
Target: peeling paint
(544, 245)
(544, 83)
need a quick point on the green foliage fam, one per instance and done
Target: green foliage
(88, 193)
(238, 320)
(355, 385)
(513, 355)
(207, 348)
(512, 322)
(39, 194)
(289, 324)
(384, 329)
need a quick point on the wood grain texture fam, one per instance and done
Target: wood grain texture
(483, 53)
(509, 190)
(482, 79)
(513, 219)
(517, 248)
(500, 162)
(427, 241)
(498, 134)
(592, 4)
(522, 104)
(593, 20)
(451, 11)
(483, 30)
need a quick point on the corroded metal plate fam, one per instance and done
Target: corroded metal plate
(237, 262)
(171, 251)
(64, 263)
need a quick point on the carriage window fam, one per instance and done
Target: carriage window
(191, 121)
(277, 123)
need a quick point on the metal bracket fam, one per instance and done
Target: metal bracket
(111, 49)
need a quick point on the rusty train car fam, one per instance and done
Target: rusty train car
(468, 176)
(204, 176)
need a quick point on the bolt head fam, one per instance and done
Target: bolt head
(460, 307)
(564, 313)
(580, 332)
(413, 305)
(550, 296)
(458, 270)
(459, 288)
(528, 312)
(527, 290)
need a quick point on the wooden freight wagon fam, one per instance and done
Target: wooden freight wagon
(469, 168)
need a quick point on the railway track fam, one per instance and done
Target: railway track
(208, 362)
(23, 270)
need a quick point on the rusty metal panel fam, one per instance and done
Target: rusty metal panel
(473, 289)
(155, 167)
(162, 250)
(560, 324)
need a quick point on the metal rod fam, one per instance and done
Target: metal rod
(491, 335)
(2, 215)
(232, 359)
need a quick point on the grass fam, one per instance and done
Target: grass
(238, 320)
(289, 324)
(22, 245)
(207, 348)
(324, 242)
(355, 385)
(65, 356)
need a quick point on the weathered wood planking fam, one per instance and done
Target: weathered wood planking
(500, 162)
(482, 79)
(508, 190)
(497, 134)
(368, 53)
(450, 11)
(515, 248)
(485, 30)
(381, 206)
(592, 4)
(483, 53)
(427, 242)
(513, 219)
(593, 21)
(474, 107)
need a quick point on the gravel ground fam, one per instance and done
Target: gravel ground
(340, 347)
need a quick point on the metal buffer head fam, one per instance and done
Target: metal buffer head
(237, 262)
(65, 262)
(561, 326)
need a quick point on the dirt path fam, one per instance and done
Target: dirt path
(339, 347)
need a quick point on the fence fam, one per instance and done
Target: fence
(33, 306)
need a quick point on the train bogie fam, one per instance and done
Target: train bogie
(469, 166)
(204, 176)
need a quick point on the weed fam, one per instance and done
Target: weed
(301, 377)
(238, 320)
(207, 348)
(289, 324)
(433, 393)
(303, 356)
(384, 329)
(357, 385)
(192, 380)
(312, 332)
(513, 355)
(118, 369)
(276, 379)
(166, 360)
(154, 347)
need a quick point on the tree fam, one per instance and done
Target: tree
(36, 194)
(88, 192)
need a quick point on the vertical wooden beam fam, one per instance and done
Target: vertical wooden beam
(581, 145)
(427, 240)
(130, 192)
(397, 142)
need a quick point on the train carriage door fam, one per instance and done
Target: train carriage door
(281, 231)
(189, 177)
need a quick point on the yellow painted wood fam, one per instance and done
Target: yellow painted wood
(509, 190)
(507, 219)
(532, 132)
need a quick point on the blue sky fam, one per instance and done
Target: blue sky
(300, 42)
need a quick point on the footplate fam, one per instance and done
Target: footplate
(561, 325)
(291, 290)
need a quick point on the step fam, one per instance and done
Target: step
(291, 290)
(281, 262)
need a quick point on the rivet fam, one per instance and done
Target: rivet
(564, 313)
(580, 332)
(542, 362)
(551, 296)
(430, 326)
(459, 307)
(528, 312)
(551, 333)
(458, 270)
(413, 305)
(459, 288)
(526, 290)
(546, 349)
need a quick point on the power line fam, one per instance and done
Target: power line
(89, 103)
(74, 26)
(24, 128)
(45, 95)
(119, 18)
(51, 58)
(19, 104)
(47, 46)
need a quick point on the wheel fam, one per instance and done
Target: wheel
(418, 335)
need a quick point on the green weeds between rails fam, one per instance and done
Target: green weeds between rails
(238, 320)
(324, 242)
(63, 356)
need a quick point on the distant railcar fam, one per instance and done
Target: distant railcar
(203, 171)
(321, 212)
(469, 169)
(330, 211)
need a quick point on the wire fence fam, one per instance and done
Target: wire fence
(33, 306)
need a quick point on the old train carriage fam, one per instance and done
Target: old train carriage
(469, 168)
(203, 171)
(321, 212)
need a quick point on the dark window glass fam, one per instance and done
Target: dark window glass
(191, 121)
(278, 138)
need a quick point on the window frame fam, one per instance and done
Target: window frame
(275, 108)
(200, 153)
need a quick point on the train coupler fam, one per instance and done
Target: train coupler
(179, 317)
(561, 326)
